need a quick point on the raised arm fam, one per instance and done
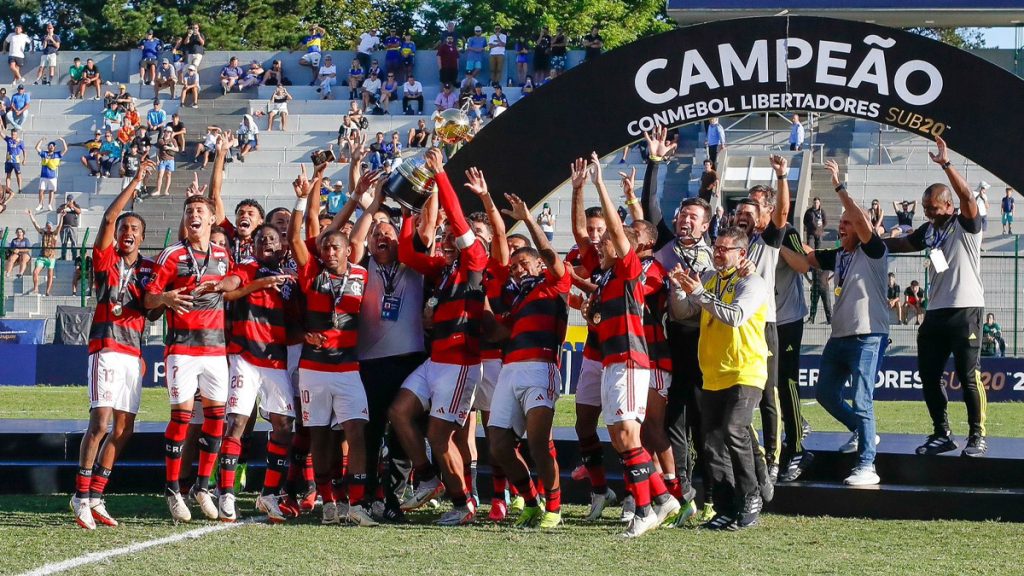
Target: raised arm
(611, 216)
(301, 186)
(520, 211)
(477, 184)
(357, 240)
(579, 170)
(105, 235)
(861, 223)
(464, 236)
(63, 144)
(32, 217)
(968, 206)
(426, 225)
(225, 141)
(636, 210)
(349, 208)
(781, 213)
(658, 148)
(313, 201)
(407, 253)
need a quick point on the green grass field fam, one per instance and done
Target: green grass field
(39, 530)
(70, 402)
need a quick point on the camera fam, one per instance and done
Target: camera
(320, 157)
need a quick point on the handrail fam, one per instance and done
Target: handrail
(3, 272)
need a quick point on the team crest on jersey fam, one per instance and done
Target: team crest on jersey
(222, 267)
(357, 288)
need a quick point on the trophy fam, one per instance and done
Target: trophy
(411, 184)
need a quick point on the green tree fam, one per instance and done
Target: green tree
(965, 38)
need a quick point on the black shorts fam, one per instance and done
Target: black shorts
(16, 60)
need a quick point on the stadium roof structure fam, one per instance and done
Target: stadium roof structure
(902, 14)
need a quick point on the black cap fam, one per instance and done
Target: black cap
(447, 84)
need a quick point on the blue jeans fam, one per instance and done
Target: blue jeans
(854, 360)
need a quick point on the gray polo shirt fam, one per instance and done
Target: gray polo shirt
(960, 241)
(862, 277)
(696, 257)
(790, 305)
(763, 251)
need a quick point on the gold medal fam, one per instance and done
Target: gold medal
(838, 291)
(432, 302)
(117, 310)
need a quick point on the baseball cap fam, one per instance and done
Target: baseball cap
(123, 87)
(191, 66)
(447, 84)
(165, 61)
(156, 102)
(339, 184)
(984, 185)
(21, 86)
(477, 29)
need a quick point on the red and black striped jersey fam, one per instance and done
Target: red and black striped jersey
(538, 318)
(495, 277)
(459, 292)
(618, 308)
(200, 331)
(656, 291)
(332, 309)
(592, 263)
(260, 321)
(110, 332)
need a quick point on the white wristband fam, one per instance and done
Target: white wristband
(300, 205)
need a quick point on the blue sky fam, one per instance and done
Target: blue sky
(999, 37)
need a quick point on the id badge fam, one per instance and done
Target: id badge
(389, 308)
(938, 260)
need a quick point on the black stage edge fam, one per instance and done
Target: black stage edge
(40, 457)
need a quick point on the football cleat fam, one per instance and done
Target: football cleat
(308, 502)
(268, 504)
(359, 516)
(425, 492)
(204, 499)
(628, 509)
(687, 511)
(226, 508)
(668, 509)
(598, 502)
(529, 517)
(580, 473)
(83, 514)
(517, 504)
(329, 513)
(550, 520)
(721, 522)
(457, 516)
(498, 510)
(290, 507)
(100, 514)
(639, 525)
(179, 510)
(707, 513)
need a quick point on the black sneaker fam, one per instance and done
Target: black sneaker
(976, 446)
(721, 522)
(798, 464)
(394, 515)
(751, 511)
(936, 444)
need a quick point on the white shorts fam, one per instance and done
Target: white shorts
(661, 381)
(186, 374)
(588, 385)
(624, 393)
(247, 380)
(115, 381)
(523, 386)
(446, 390)
(48, 60)
(331, 394)
(311, 58)
(46, 184)
(195, 60)
(294, 354)
(281, 107)
(485, 390)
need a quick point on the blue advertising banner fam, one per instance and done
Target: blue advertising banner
(22, 331)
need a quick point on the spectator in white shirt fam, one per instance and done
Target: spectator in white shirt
(497, 45)
(412, 91)
(16, 44)
(327, 77)
(371, 89)
(796, 134)
(368, 42)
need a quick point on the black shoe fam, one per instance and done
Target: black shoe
(936, 444)
(798, 464)
(976, 447)
(751, 511)
(394, 515)
(721, 522)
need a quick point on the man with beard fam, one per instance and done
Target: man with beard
(445, 383)
(115, 344)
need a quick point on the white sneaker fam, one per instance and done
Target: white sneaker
(100, 514)
(457, 516)
(179, 511)
(862, 476)
(425, 492)
(598, 502)
(39, 208)
(628, 509)
(343, 508)
(663, 511)
(83, 513)
(50, 208)
(358, 516)
(639, 525)
(329, 513)
(226, 508)
(267, 503)
(205, 501)
(853, 444)
(377, 509)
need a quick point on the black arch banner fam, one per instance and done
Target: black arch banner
(752, 65)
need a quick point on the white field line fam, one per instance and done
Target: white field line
(93, 557)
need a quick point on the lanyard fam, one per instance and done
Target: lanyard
(730, 280)
(388, 275)
(688, 256)
(523, 288)
(242, 249)
(199, 272)
(843, 266)
(447, 275)
(939, 237)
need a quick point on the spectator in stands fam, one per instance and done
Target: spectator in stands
(75, 77)
(419, 137)
(122, 97)
(716, 141)
(718, 220)
(412, 91)
(894, 293)
(393, 52)
(527, 87)
(311, 59)
(992, 343)
(90, 276)
(447, 98)
(50, 161)
(1006, 211)
(156, 119)
(475, 47)
(17, 112)
(131, 116)
(109, 153)
(248, 134)
(522, 50)
(408, 54)
(208, 146)
(178, 130)
(16, 44)
(150, 46)
(68, 215)
(177, 56)
(90, 77)
(708, 183)
(327, 77)
(190, 85)
(796, 133)
(375, 67)
(353, 122)
(91, 158)
(130, 163)
(166, 148)
(143, 141)
(393, 152)
(468, 86)
(5, 104)
(593, 44)
(814, 224)
(449, 32)
(388, 92)
(448, 61)
(48, 63)
(546, 220)
(904, 217)
(356, 75)
(251, 76)
(194, 46)
(981, 199)
(47, 254)
(165, 78)
(559, 49)
(230, 75)
(336, 198)
(278, 107)
(18, 253)
(877, 217)
(368, 42)
(477, 103)
(376, 154)
(542, 55)
(498, 102)
(14, 159)
(275, 76)
(914, 301)
(371, 91)
(820, 290)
